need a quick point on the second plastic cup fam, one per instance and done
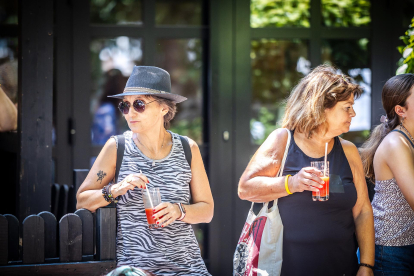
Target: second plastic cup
(151, 198)
(323, 194)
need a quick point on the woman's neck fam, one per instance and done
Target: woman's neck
(409, 126)
(314, 146)
(154, 140)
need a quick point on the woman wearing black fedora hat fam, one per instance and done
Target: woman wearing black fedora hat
(155, 158)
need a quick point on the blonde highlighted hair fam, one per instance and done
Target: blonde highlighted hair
(321, 89)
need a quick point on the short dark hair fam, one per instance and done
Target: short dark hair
(172, 109)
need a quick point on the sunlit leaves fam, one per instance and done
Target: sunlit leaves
(406, 62)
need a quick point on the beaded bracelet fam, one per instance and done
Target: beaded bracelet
(107, 195)
(366, 265)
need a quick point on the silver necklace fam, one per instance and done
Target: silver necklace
(411, 137)
(162, 146)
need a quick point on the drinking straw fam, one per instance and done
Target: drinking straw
(326, 157)
(149, 196)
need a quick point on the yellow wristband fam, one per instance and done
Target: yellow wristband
(286, 184)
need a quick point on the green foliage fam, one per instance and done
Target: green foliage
(268, 117)
(346, 13)
(274, 68)
(406, 62)
(191, 128)
(183, 12)
(116, 12)
(296, 13)
(279, 13)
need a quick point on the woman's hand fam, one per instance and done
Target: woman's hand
(307, 179)
(129, 183)
(166, 213)
(365, 271)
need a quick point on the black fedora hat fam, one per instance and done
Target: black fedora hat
(150, 80)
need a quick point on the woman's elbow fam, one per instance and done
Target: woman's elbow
(210, 213)
(243, 190)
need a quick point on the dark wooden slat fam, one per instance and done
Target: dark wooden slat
(4, 235)
(61, 269)
(106, 233)
(33, 240)
(70, 238)
(78, 178)
(87, 231)
(63, 201)
(35, 107)
(55, 198)
(50, 234)
(13, 243)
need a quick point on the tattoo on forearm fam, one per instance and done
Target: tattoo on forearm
(101, 176)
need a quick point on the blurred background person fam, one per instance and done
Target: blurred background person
(8, 113)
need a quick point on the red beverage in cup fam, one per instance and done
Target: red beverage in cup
(151, 198)
(323, 194)
(324, 191)
(149, 212)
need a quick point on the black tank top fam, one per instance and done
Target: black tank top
(319, 237)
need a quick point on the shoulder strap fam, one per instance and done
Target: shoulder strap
(282, 165)
(119, 154)
(187, 149)
(405, 135)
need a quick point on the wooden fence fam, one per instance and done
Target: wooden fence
(82, 243)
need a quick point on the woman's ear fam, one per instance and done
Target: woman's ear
(400, 110)
(164, 109)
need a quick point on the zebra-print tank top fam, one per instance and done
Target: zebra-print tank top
(172, 250)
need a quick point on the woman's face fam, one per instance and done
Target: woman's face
(340, 116)
(152, 117)
(407, 111)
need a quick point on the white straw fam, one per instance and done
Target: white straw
(326, 157)
(149, 196)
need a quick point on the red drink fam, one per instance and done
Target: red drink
(324, 191)
(149, 212)
(323, 194)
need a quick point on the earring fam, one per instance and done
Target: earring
(402, 120)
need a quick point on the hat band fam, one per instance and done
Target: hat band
(144, 89)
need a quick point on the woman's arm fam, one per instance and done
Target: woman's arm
(362, 211)
(259, 182)
(400, 160)
(89, 195)
(8, 114)
(202, 208)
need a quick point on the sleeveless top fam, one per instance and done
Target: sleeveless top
(172, 250)
(319, 237)
(393, 216)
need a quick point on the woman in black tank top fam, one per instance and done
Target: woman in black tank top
(319, 238)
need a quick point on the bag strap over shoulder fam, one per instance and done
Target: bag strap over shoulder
(282, 165)
(119, 155)
(187, 149)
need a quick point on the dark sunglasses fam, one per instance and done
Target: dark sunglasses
(138, 105)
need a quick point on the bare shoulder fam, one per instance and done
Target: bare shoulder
(193, 144)
(277, 138)
(108, 152)
(110, 145)
(350, 150)
(394, 141)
